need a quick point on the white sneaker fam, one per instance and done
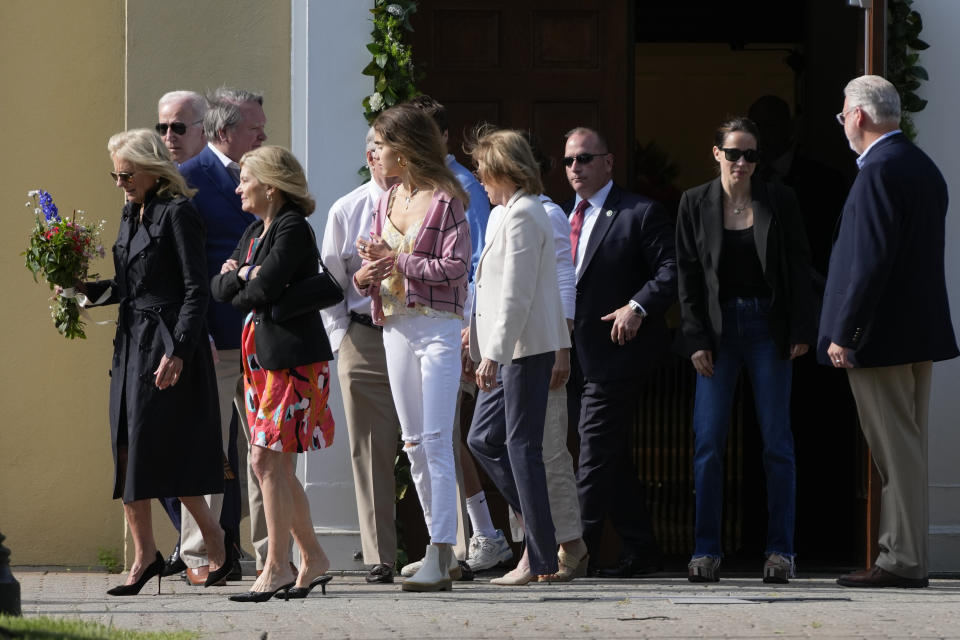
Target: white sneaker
(486, 553)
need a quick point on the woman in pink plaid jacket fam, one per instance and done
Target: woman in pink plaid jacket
(415, 269)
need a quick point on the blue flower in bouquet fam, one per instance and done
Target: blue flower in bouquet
(50, 211)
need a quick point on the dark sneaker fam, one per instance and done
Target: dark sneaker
(779, 569)
(704, 569)
(380, 574)
(466, 573)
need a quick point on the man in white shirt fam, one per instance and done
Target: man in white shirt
(372, 422)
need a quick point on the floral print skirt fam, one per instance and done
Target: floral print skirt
(286, 409)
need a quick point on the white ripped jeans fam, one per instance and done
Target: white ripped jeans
(423, 363)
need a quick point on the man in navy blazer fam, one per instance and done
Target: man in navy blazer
(233, 124)
(623, 249)
(180, 125)
(886, 317)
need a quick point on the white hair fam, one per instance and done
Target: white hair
(876, 96)
(197, 101)
(371, 134)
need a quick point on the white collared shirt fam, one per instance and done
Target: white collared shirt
(589, 220)
(230, 165)
(350, 217)
(862, 156)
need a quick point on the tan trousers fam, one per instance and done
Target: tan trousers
(374, 431)
(561, 483)
(893, 404)
(230, 390)
(463, 520)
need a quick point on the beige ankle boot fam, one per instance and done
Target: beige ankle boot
(455, 571)
(434, 574)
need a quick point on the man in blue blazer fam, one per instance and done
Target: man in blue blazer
(623, 250)
(234, 124)
(886, 317)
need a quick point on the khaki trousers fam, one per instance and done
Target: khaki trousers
(229, 371)
(374, 431)
(893, 404)
(561, 483)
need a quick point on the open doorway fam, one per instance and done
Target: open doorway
(656, 78)
(785, 64)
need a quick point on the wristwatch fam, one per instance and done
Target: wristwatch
(637, 309)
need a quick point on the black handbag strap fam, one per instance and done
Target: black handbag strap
(323, 267)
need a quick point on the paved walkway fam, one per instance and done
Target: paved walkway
(661, 607)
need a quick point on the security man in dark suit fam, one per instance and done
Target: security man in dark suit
(623, 250)
(886, 317)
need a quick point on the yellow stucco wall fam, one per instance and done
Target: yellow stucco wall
(185, 44)
(74, 73)
(62, 73)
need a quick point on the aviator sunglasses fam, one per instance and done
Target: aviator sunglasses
(178, 128)
(122, 176)
(733, 154)
(582, 158)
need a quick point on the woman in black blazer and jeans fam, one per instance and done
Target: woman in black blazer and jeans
(745, 298)
(286, 377)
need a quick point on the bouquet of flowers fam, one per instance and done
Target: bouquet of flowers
(60, 250)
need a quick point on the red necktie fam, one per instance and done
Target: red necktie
(576, 226)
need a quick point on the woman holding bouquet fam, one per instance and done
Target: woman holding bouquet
(163, 396)
(286, 377)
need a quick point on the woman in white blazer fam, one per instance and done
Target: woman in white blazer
(518, 324)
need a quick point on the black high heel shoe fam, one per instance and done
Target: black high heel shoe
(263, 596)
(154, 569)
(230, 555)
(296, 593)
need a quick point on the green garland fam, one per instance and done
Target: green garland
(392, 65)
(903, 42)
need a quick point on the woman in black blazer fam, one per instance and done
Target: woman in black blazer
(745, 298)
(286, 376)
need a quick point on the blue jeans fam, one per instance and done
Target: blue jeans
(746, 340)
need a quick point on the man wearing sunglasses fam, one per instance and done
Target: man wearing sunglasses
(180, 124)
(886, 317)
(623, 251)
(233, 124)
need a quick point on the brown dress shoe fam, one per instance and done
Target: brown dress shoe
(876, 578)
(198, 576)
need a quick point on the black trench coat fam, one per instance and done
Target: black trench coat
(172, 436)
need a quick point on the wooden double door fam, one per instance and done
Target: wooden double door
(545, 67)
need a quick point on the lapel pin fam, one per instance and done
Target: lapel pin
(609, 212)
